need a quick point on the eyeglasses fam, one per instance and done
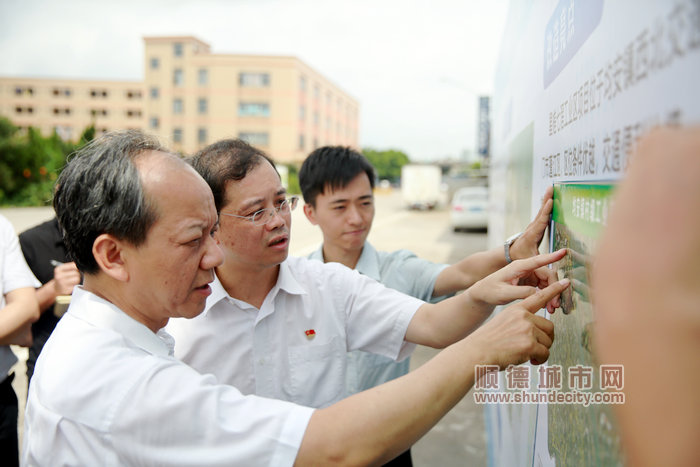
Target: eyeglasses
(264, 216)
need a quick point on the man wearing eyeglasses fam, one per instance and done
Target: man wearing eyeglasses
(281, 327)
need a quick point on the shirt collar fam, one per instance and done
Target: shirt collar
(285, 281)
(218, 293)
(318, 254)
(97, 311)
(367, 264)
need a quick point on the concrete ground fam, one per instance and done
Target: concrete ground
(459, 438)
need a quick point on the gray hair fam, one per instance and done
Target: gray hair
(100, 191)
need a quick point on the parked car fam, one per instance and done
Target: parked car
(470, 208)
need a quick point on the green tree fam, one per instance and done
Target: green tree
(293, 180)
(387, 164)
(30, 164)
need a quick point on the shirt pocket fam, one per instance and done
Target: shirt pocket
(317, 373)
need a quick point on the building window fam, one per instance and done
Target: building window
(61, 111)
(302, 143)
(202, 136)
(256, 139)
(302, 83)
(178, 49)
(98, 93)
(177, 135)
(154, 122)
(253, 109)
(316, 118)
(134, 113)
(202, 105)
(133, 94)
(302, 112)
(155, 63)
(317, 91)
(20, 90)
(177, 106)
(254, 79)
(203, 76)
(154, 93)
(178, 77)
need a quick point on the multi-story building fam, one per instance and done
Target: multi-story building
(191, 97)
(70, 105)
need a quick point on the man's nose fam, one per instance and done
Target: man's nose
(278, 219)
(354, 216)
(213, 256)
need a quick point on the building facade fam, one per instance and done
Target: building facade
(190, 98)
(70, 105)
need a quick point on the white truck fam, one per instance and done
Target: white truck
(421, 186)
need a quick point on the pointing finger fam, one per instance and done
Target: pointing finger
(535, 262)
(536, 301)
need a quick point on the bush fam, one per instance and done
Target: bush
(30, 164)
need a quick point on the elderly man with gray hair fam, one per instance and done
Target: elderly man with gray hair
(139, 223)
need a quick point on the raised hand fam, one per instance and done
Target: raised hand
(520, 279)
(527, 245)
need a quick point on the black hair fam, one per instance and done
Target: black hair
(333, 167)
(228, 159)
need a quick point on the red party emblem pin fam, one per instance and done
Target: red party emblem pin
(310, 334)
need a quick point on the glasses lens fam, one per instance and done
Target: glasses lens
(262, 217)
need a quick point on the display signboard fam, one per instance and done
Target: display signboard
(579, 215)
(578, 82)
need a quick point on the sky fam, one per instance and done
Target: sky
(416, 67)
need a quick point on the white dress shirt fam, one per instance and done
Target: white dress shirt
(14, 274)
(294, 347)
(400, 270)
(106, 391)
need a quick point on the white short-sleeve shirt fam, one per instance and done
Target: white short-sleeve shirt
(400, 270)
(294, 347)
(107, 391)
(14, 274)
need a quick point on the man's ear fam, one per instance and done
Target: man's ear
(109, 254)
(310, 213)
